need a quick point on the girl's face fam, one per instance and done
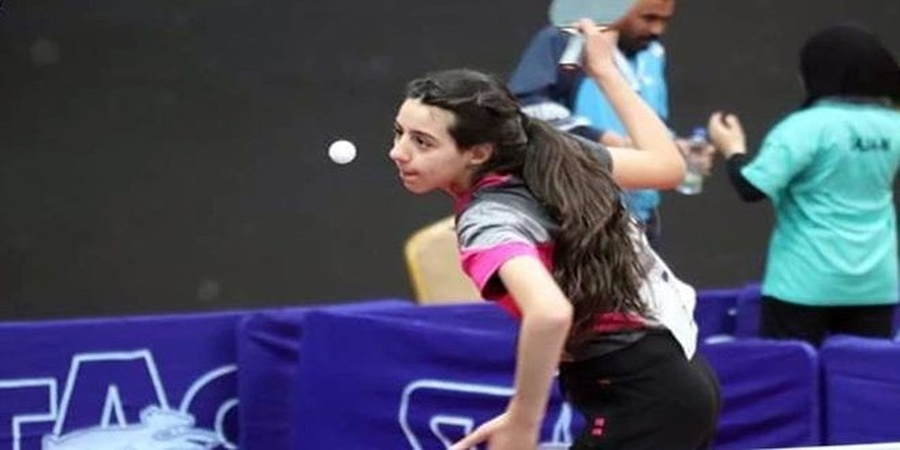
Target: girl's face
(425, 153)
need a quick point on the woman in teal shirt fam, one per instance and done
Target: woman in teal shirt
(828, 168)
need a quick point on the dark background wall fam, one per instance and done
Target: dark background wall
(171, 155)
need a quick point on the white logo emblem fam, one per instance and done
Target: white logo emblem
(158, 429)
(88, 411)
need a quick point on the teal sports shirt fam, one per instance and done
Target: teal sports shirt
(829, 171)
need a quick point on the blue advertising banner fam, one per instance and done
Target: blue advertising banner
(377, 374)
(410, 378)
(269, 349)
(770, 391)
(862, 382)
(112, 383)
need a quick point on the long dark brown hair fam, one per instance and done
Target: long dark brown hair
(596, 261)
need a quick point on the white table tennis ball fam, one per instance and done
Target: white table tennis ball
(342, 151)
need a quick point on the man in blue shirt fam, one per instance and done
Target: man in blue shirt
(572, 102)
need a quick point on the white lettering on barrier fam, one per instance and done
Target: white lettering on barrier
(21, 419)
(159, 426)
(561, 427)
(467, 424)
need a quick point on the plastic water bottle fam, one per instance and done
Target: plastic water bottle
(694, 170)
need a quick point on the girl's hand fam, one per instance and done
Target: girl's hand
(501, 433)
(599, 48)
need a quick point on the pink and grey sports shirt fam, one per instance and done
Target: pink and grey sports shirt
(500, 219)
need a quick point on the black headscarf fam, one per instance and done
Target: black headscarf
(846, 60)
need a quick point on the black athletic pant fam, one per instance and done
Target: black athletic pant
(783, 320)
(647, 396)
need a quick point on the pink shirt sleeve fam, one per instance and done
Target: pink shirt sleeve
(498, 225)
(481, 264)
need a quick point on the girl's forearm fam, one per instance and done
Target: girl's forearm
(647, 131)
(541, 341)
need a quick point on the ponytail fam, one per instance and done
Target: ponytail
(595, 260)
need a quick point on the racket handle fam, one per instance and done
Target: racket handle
(571, 55)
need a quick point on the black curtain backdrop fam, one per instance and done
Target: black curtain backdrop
(171, 156)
